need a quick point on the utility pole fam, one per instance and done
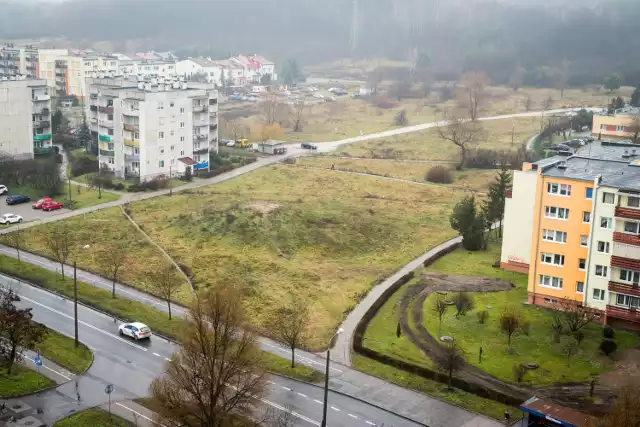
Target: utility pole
(75, 302)
(170, 183)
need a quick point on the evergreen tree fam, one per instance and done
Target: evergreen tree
(493, 208)
(291, 73)
(469, 223)
(635, 97)
(84, 136)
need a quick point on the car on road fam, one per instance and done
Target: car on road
(135, 330)
(16, 199)
(51, 205)
(3, 189)
(308, 146)
(10, 219)
(39, 203)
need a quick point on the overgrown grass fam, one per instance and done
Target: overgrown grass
(21, 381)
(537, 346)
(435, 389)
(94, 418)
(80, 200)
(62, 350)
(282, 366)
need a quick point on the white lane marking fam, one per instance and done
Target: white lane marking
(302, 359)
(317, 401)
(52, 370)
(286, 388)
(335, 409)
(270, 382)
(353, 416)
(109, 334)
(302, 395)
(156, 354)
(370, 423)
(138, 413)
(295, 414)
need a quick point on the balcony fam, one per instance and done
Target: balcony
(625, 251)
(93, 108)
(131, 143)
(41, 98)
(627, 239)
(108, 153)
(629, 213)
(61, 73)
(133, 112)
(43, 137)
(108, 110)
(629, 314)
(213, 126)
(132, 157)
(200, 123)
(213, 101)
(107, 124)
(213, 114)
(199, 108)
(626, 263)
(131, 128)
(42, 124)
(199, 136)
(623, 288)
(93, 95)
(204, 150)
(105, 138)
(42, 150)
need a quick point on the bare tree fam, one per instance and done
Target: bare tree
(517, 77)
(510, 321)
(59, 242)
(440, 307)
(574, 315)
(290, 324)
(461, 132)
(216, 373)
(166, 281)
(374, 79)
(297, 115)
(452, 359)
(473, 95)
(570, 349)
(270, 108)
(17, 328)
(528, 103)
(561, 77)
(624, 411)
(112, 259)
(426, 81)
(15, 239)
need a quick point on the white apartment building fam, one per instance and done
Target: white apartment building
(25, 117)
(152, 127)
(16, 60)
(65, 73)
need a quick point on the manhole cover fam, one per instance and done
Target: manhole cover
(530, 365)
(446, 338)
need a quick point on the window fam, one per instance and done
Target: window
(551, 282)
(598, 294)
(182, 153)
(584, 241)
(632, 227)
(550, 300)
(553, 259)
(161, 148)
(619, 128)
(172, 132)
(630, 276)
(554, 236)
(160, 105)
(161, 135)
(109, 116)
(582, 264)
(559, 189)
(606, 222)
(589, 193)
(161, 121)
(136, 135)
(173, 161)
(580, 287)
(110, 160)
(603, 247)
(173, 147)
(633, 202)
(181, 110)
(182, 139)
(557, 213)
(109, 131)
(182, 124)
(608, 198)
(161, 163)
(586, 217)
(110, 147)
(627, 301)
(171, 104)
(601, 270)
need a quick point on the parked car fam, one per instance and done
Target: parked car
(308, 146)
(51, 205)
(39, 203)
(560, 147)
(16, 199)
(10, 219)
(135, 330)
(230, 144)
(3, 189)
(318, 95)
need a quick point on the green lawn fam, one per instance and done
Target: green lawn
(435, 389)
(80, 200)
(538, 346)
(21, 381)
(61, 350)
(282, 366)
(173, 182)
(93, 418)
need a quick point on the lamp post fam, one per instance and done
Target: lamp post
(326, 380)
(75, 298)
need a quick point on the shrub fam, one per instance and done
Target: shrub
(463, 303)
(119, 186)
(608, 347)
(83, 166)
(608, 332)
(439, 174)
(525, 327)
(401, 118)
(519, 372)
(482, 316)
(382, 102)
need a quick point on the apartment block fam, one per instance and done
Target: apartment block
(63, 71)
(573, 224)
(25, 117)
(16, 60)
(151, 127)
(620, 125)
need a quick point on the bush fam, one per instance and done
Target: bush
(482, 316)
(401, 118)
(519, 372)
(83, 166)
(608, 347)
(119, 186)
(439, 174)
(608, 332)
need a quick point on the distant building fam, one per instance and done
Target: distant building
(147, 68)
(153, 127)
(238, 70)
(25, 117)
(16, 60)
(622, 124)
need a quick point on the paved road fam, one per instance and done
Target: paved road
(131, 366)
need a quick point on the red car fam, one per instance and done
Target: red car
(51, 205)
(39, 203)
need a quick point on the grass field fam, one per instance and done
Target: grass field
(94, 418)
(61, 350)
(277, 232)
(21, 381)
(82, 199)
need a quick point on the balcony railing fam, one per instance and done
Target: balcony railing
(200, 123)
(199, 108)
(108, 110)
(41, 98)
(204, 150)
(108, 153)
(133, 112)
(131, 128)
(132, 157)
(43, 137)
(93, 108)
(199, 136)
(105, 138)
(131, 143)
(107, 124)
(213, 114)
(42, 150)
(626, 263)
(624, 288)
(628, 239)
(629, 213)
(630, 314)
(42, 124)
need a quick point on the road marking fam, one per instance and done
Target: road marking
(335, 409)
(303, 395)
(317, 401)
(167, 359)
(370, 423)
(353, 416)
(286, 388)
(302, 359)
(109, 334)
(156, 354)
(52, 370)
(270, 382)
(138, 413)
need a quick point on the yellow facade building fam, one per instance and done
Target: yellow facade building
(623, 124)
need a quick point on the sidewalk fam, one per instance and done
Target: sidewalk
(131, 411)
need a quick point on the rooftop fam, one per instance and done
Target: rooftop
(626, 111)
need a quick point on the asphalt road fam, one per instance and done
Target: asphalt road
(26, 211)
(131, 366)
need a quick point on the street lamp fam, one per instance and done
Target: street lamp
(75, 297)
(326, 379)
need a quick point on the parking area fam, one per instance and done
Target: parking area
(26, 211)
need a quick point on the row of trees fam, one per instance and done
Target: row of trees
(41, 174)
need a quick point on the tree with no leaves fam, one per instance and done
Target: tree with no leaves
(374, 78)
(561, 76)
(624, 411)
(473, 94)
(440, 307)
(270, 108)
(112, 259)
(461, 132)
(59, 242)
(265, 132)
(290, 324)
(17, 329)
(216, 373)
(452, 360)
(166, 281)
(517, 78)
(574, 315)
(16, 239)
(297, 115)
(510, 321)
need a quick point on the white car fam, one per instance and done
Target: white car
(3, 189)
(135, 330)
(10, 219)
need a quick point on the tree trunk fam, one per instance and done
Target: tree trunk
(509, 340)
(463, 157)
(450, 375)
(12, 358)
(62, 266)
(18, 251)
(293, 356)
(113, 290)
(169, 306)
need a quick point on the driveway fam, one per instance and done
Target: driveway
(26, 211)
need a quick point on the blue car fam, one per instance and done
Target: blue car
(16, 199)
